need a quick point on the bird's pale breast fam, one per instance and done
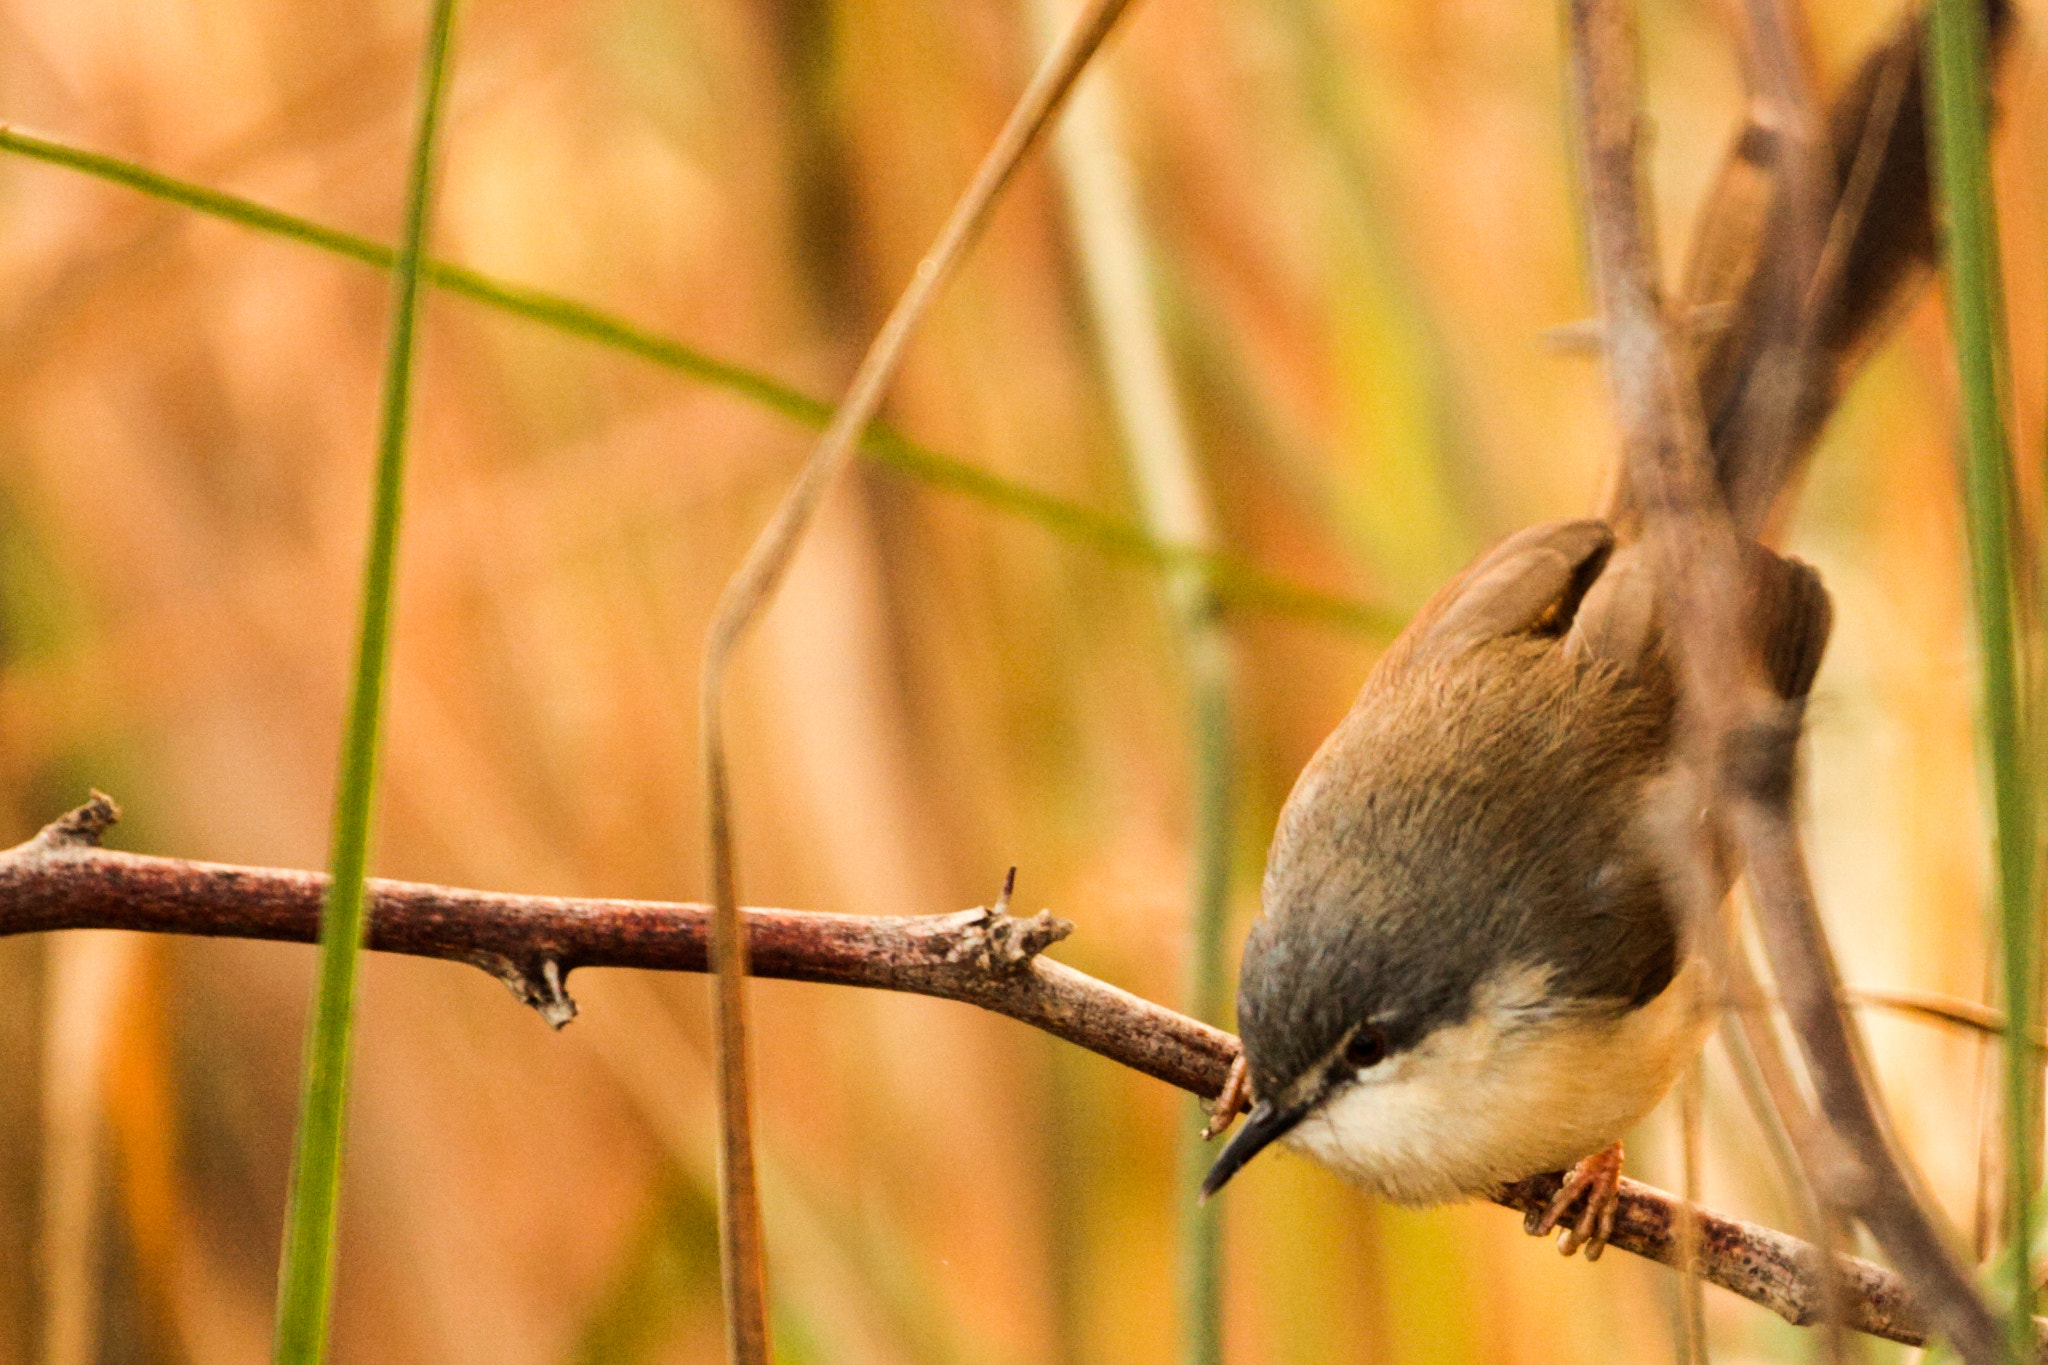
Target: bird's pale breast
(1514, 1090)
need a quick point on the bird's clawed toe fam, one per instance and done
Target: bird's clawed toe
(1234, 1099)
(1598, 1179)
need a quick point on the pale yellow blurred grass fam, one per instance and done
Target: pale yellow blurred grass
(1364, 214)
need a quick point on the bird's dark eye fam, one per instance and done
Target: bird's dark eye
(1367, 1048)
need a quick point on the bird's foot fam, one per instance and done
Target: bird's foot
(1598, 1178)
(1232, 1100)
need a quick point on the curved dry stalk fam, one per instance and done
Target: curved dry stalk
(1741, 740)
(61, 880)
(748, 591)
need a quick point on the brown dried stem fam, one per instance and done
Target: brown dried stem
(1741, 738)
(61, 879)
(748, 592)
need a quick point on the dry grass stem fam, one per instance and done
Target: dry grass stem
(1741, 738)
(747, 593)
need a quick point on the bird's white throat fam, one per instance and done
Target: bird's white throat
(1518, 1088)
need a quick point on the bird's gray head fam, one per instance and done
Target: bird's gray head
(1324, 999)
(1417, 879)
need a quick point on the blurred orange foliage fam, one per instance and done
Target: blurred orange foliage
(1365, 219)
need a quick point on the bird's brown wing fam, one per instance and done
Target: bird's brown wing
(1787, 617)
(1529, 582)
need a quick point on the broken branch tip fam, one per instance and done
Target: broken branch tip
(81, 828)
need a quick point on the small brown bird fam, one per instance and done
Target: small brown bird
(1468, 970)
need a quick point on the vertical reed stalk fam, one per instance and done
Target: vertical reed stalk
(1116, 263)
(306, 1274)
(1960, 114)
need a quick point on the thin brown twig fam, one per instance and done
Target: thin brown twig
(1933, 1005)
(1741, 738)
(747, 592)
(1780, 52)
(1815, 1152)
(1885, 1193)
(1692, 1310)
(1764, 356)
(62, 880)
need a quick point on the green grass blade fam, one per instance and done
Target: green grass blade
(1231, 578)
(306, 1275)
(1960, 114)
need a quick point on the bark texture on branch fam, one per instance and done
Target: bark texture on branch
(1761, 1264)
(62, 879)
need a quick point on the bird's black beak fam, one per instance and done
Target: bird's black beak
(1261, 1126)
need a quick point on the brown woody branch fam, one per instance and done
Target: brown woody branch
(62, 879)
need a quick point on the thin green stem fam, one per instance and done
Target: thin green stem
(1116, 263)
(1960, 115)
(306, 1275)
(1231, 578)
(1209, 984)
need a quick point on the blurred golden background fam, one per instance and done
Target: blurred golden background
(1362, 218)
